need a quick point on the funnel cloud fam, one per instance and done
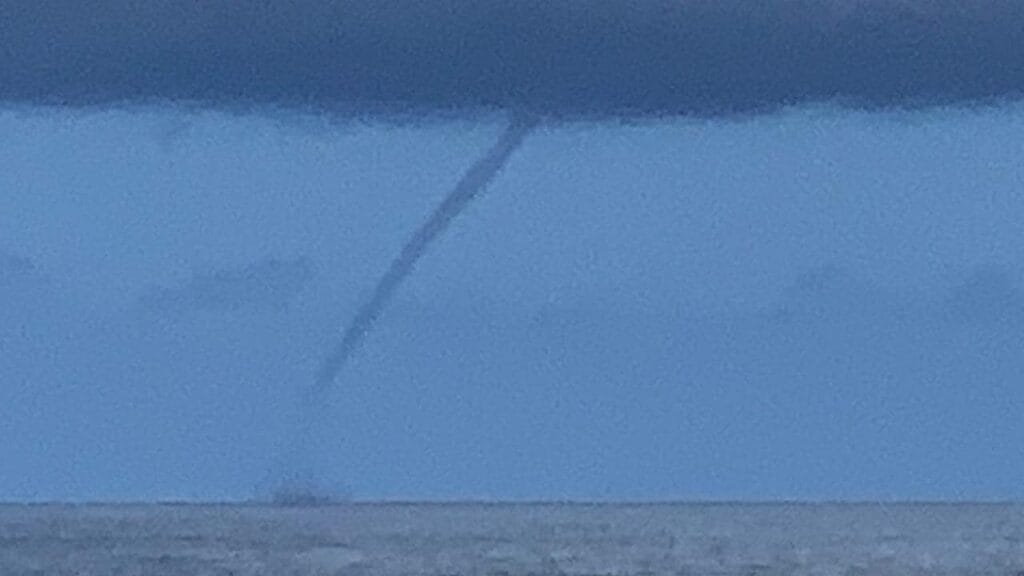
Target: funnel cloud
(554, 59)
(667, 344)
(469, 187)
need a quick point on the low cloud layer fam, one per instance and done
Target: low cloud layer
(686, 406)
(16, 270)
(269, 283)
(989, 296)
(556, 59)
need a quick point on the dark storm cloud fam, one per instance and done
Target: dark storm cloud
(553, 58)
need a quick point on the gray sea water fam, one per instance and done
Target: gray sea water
(512, 539)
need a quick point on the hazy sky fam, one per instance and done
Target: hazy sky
(816, 304)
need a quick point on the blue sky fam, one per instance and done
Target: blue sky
(812, 304)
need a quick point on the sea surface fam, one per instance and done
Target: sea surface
(511, 539)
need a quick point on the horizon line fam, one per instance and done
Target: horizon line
(509, 502)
